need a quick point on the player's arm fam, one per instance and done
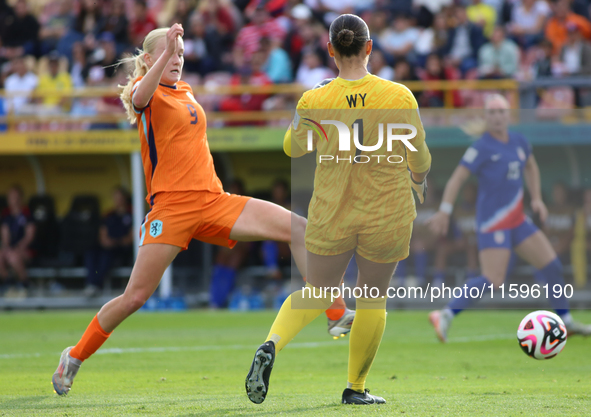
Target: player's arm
(419, 161)
(439, 223)
(531, 174)
(146, 88)
(292, 148)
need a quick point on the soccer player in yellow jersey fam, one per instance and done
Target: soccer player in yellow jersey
(362, 203)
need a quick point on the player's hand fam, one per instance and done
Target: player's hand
(172, 38)
(438, 223)
(540, 210)
(419, 188)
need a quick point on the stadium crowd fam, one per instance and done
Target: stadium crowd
(60, 45)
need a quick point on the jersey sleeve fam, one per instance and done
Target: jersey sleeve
(294, 142)
(473, 158)
(418, 161)
(133, 90)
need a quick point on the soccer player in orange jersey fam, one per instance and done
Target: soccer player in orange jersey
(185, 195)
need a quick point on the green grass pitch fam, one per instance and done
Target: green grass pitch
(194, 364)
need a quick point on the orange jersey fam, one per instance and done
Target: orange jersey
(175, 152)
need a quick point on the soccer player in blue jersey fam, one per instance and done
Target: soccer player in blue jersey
(501, 160)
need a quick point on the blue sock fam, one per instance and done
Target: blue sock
(421, 265)
(463, 302)
(551, 274)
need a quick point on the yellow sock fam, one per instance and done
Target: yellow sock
(364, 340)
(298, 310)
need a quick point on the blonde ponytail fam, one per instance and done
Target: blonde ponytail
(140, 69)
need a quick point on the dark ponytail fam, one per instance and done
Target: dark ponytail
(348, 34)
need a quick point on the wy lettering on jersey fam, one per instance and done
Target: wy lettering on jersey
(499, 168)
(175, 151)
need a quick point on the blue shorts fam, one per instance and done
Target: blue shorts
(508, 238)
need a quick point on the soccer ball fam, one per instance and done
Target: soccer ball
(541, 334)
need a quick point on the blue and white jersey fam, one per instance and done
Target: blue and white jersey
(499, 168)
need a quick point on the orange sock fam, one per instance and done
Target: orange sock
(92, 339)
(337, 309)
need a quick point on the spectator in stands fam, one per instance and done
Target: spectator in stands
(378, 65)
(556, 28)
(499, 58)
(115, 243)
(464, 41)
(404, 71)
(483, 15)
(79, 67)
(55, 27)
(17, 232)
(527, 22)
(203, 47)
(20, 32)
(277, 65)
(261, 26)
(247, 75)
(432, 39)
(435, 70)
(559, 225)
(88, 19)
(227, 263)
(542, 66)
(576, 53)
(142, 24)
(312, 70)
(20, 81)
(53, 82)
(105, 54)
(117, 24)
(183, 13)
(399, 39)
(219, 15)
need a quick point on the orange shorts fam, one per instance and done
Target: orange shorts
(176, 217)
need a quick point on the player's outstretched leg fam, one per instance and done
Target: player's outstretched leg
(257, 380)
(151, 262)
(494, 263)
(537, 251)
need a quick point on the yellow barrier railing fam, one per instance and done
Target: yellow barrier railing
(447, 87)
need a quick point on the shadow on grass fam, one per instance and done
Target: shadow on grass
(318, 410)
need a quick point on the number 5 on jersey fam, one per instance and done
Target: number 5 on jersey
(193, 113)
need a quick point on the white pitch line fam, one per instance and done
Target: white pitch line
(301, 345)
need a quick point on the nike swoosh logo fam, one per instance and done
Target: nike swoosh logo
(165, 95)
(496, 157)
(363, 400)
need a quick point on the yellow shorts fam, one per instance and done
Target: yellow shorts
(177, 217)
(383, 247)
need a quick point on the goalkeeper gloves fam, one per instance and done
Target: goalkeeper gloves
(419, 188)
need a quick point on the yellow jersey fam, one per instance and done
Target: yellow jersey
(364, 187)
